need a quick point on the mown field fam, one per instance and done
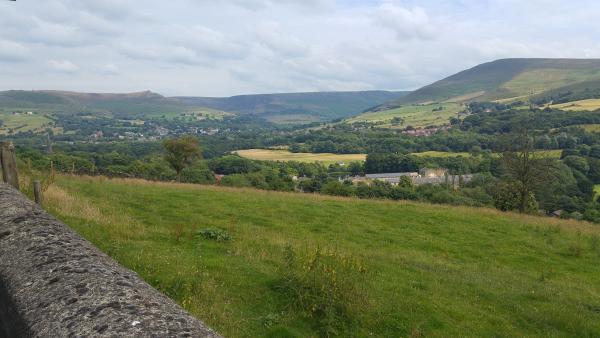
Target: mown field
(413, 115)
(285, 155)
(582, 105)
(327, 158)
(299, 265)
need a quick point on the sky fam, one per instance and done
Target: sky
(231, 47)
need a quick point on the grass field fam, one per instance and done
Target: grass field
(413, 115)
(592, 128)
(22, 122)
(441, 154)
(582, 105)
(425, 270)
(597, 190)
(539, 80)
(284, 155)
(327, 158)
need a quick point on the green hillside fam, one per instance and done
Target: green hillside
(505, 80)
(118, 105)
(278, 108)
(264, 264)
(298, 107)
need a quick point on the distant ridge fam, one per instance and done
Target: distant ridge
(279, 108)
(504, 79)
(312, 105)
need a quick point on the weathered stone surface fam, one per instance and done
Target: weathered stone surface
(53, 283)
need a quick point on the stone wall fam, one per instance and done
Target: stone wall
(53, 283)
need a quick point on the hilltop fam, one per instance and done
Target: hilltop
(359, 267)
(64, 102)
(505, 80)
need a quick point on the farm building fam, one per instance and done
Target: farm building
(424, 176)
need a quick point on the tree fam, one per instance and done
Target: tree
(521, 164)
(181, 153)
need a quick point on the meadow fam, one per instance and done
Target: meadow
(417, 115)
(22, 122)
(265, 264)
(592, 128)
(285, 155)
(581, 105)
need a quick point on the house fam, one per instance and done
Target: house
(424, 176)
(392, 178)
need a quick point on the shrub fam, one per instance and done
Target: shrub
(326, 286)
(218, 235)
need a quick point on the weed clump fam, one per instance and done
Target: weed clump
(218, 235)
(327, 286)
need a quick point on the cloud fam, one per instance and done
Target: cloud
(212, 48)
(407, 23)
(63, 66)
(12, 52)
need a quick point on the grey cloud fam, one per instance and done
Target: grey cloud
(202, 47)
(405, 22)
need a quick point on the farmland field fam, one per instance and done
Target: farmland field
(413, 115)
(582, 105)
(592, 128)
(421, 270)
(441, 154)
(22, 123)
(284, 155)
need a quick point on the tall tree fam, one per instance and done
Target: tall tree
(181, 153)
(523, 165)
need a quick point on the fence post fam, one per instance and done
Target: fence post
(37, 192)
(9, 164)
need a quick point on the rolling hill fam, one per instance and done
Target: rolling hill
(278, 108)
(505, 80)
(297, 107)
(255, 263)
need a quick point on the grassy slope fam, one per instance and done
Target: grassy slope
(505, 80)
(22, 123)
(284, 155)
(413, 115)
(434, 270)
(298, 107)
(509, 77)
(581, 105)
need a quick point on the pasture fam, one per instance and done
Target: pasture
(285, 156)
(416, 115)
(265, 264)
(22, 122)
(592, 128)
(582, 105)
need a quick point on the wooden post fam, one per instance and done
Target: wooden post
(37, 192)
(9, 164)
